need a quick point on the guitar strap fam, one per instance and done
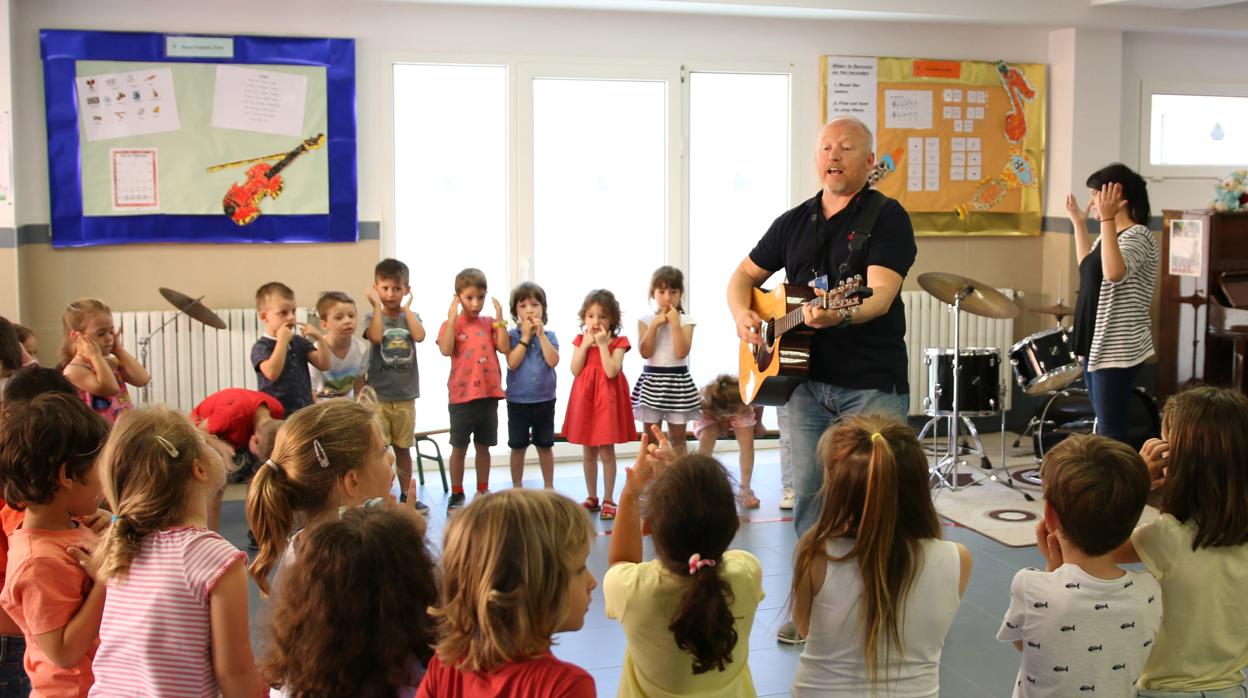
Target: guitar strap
(860, 233)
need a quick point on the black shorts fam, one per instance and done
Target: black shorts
(477, 419)
(537, 418)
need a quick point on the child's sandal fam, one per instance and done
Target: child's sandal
(590, 503)
(608, 510)
(747, 499)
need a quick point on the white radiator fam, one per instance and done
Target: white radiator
(189, 360)
(929, 323)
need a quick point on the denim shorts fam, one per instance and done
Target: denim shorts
(13, 680)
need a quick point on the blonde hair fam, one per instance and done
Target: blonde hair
(875, 491)
(75, 319)
(296, 479)
(146, 469)
(507, 563)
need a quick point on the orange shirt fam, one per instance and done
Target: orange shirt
(10, 519)
(44, 587)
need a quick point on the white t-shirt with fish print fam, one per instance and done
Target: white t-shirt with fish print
(1081, 635)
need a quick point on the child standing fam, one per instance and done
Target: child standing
(350, 616)
(281, 357)
(49, 589)
(665, 391)
(1086, 624)
(688, 614)
(723, 412)
(394, 330)
(348, 354)
(94, 360)
(514, 572)
(875, 589)
(532, 354)
(1198, 548)
(327, 456)
(175, 621)
(599, 414)
(475, 384)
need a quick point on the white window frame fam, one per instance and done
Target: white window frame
(1150, 88)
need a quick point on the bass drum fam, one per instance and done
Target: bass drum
(1070, 412)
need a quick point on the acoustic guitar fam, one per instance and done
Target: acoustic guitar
(772, 369)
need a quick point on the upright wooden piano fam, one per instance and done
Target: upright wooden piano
(1203, 329)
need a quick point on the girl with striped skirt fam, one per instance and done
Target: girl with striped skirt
(665, 391)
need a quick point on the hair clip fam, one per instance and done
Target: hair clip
(342, 511)
(114, 519)
(167, 445)
(696, 563)
(319, 450)
(374, 503)
(273, 464)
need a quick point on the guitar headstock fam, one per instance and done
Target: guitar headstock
(848, 294)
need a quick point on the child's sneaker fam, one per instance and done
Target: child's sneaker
(608, 510)
(456, 501)
(787, 499)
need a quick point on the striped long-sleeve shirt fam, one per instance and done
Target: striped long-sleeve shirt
(1123, 335)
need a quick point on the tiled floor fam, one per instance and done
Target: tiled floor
(974, 664)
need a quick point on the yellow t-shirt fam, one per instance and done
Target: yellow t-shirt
(1202, 644)
(644, 597)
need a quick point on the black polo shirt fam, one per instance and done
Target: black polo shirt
(867, 356)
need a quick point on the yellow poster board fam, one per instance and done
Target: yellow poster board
(959, 143)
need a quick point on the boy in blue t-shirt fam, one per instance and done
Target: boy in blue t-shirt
(281, 356)
(532, 355)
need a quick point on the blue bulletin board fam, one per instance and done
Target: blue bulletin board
(159, 138)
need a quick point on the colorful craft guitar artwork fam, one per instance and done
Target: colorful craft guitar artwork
(242, 201)
(885, 166)
(1019, 91)
(1019, 171)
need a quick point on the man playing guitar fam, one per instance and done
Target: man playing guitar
(858, 361)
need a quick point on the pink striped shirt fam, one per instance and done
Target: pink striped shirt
(155, 639)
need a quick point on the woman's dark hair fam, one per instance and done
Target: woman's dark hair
(351, 613)
(610, 306)
(10, 348)
(33, 381)
(38, 438)
(528, 291)
(690, 510)
(1134, 190)
(670, 277)
(1207, 467)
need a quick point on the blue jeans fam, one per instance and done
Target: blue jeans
(814, 407)
(1109, 389)
(13, 680)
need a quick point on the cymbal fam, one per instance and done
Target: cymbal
(193, 308)
(1059, 310)
(981, 300)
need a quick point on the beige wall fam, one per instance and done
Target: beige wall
(127, 277)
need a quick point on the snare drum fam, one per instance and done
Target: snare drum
(979, 389)
(1044, 361)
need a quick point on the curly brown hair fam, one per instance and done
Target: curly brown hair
(606, 300)
(352, 611)
(721, 398)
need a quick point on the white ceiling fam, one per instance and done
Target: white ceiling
(1212, 16)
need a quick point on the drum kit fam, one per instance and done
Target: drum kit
(192, 308)
(964, 382)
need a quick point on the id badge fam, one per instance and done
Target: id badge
(820, 282)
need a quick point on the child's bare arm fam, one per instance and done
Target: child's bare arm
(549, 352)
(376, 326)
(318, 357)
(646, 335)
(414, 327)
(273, 366)
(682, 336)
(446, 340)
(97, 380)
(580, 353)
(232, 661)
(131, 370)
(68, 645)
(612, 361)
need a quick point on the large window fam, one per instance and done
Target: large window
(590, 178)
(450, 198)
(1194, 130)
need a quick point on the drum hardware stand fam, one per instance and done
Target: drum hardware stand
(145, 342)
(946, 469)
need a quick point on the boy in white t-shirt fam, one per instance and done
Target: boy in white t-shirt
(1086, 626)
(348, 354)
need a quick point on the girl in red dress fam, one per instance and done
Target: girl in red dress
(600, 409)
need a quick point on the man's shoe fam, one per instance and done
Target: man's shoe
(788, 634)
